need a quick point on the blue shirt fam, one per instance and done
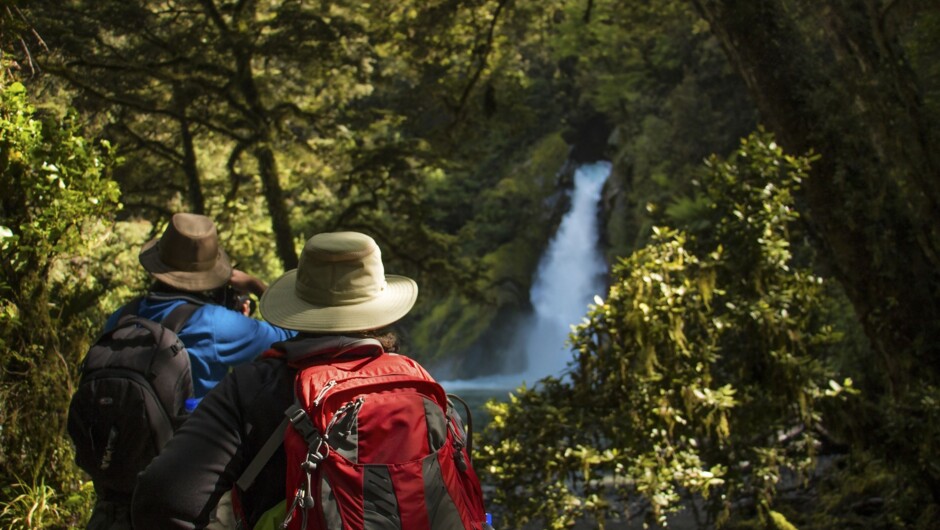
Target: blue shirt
(215, 337)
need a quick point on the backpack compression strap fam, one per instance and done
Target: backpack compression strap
(468, 423)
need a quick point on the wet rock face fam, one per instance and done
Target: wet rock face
(588, 138)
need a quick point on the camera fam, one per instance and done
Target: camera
(235, 300)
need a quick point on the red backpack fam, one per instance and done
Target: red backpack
(375, 443)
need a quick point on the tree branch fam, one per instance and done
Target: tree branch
(482, 58)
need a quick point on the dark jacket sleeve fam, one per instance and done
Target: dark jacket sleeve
(181, 487)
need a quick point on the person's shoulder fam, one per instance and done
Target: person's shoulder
(221, 315)
(215, 309)
(261, 370)
(261, 382)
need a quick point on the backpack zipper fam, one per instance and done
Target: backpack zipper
(344, 410)
(391, 378)
(322, 393)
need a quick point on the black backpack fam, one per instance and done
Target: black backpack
(135, 380)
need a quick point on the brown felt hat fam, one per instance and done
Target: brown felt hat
(339, 285)
(188, 255)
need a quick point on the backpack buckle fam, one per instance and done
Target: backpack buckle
(304, 426)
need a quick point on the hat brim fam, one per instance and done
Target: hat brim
(220, 274)
(280, 306)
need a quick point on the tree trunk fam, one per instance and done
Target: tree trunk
(197, 200)
(280, 221)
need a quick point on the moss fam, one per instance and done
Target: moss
(451, 325)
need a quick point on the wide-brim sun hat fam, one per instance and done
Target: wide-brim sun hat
(188, 255)
(339, 285)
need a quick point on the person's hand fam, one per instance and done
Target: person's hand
(245, 307)
(246, 283)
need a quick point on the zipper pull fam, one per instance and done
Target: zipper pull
(322, 393)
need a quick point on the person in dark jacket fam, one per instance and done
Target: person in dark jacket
(338, 294)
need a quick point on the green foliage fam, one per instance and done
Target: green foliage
(41, 507)
(864, 76)
(56, 198)
(666, 87)
(51, 184)
(910, 430)
(450, 327)
(513, 216)
(700, 375)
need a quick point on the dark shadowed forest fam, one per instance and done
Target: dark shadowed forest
(767, 353)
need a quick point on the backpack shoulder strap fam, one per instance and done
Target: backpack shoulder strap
(294, 415)
(264, 454)
(131, 308)
(179, 315)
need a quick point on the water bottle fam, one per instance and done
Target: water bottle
(191, 404)
(488, 525)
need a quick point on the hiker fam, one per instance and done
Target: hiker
(367, 439)
(188, 264)
(124, 411)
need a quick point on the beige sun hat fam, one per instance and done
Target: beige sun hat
(339, 285)
(188, 255)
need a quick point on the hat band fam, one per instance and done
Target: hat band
(324, 297)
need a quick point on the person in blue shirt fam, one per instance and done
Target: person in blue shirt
(188, 264)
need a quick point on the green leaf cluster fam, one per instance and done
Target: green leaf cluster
(698, 377)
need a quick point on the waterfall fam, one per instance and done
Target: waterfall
(570, 272)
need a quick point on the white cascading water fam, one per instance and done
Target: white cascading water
(571, 271)
(570, 274)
